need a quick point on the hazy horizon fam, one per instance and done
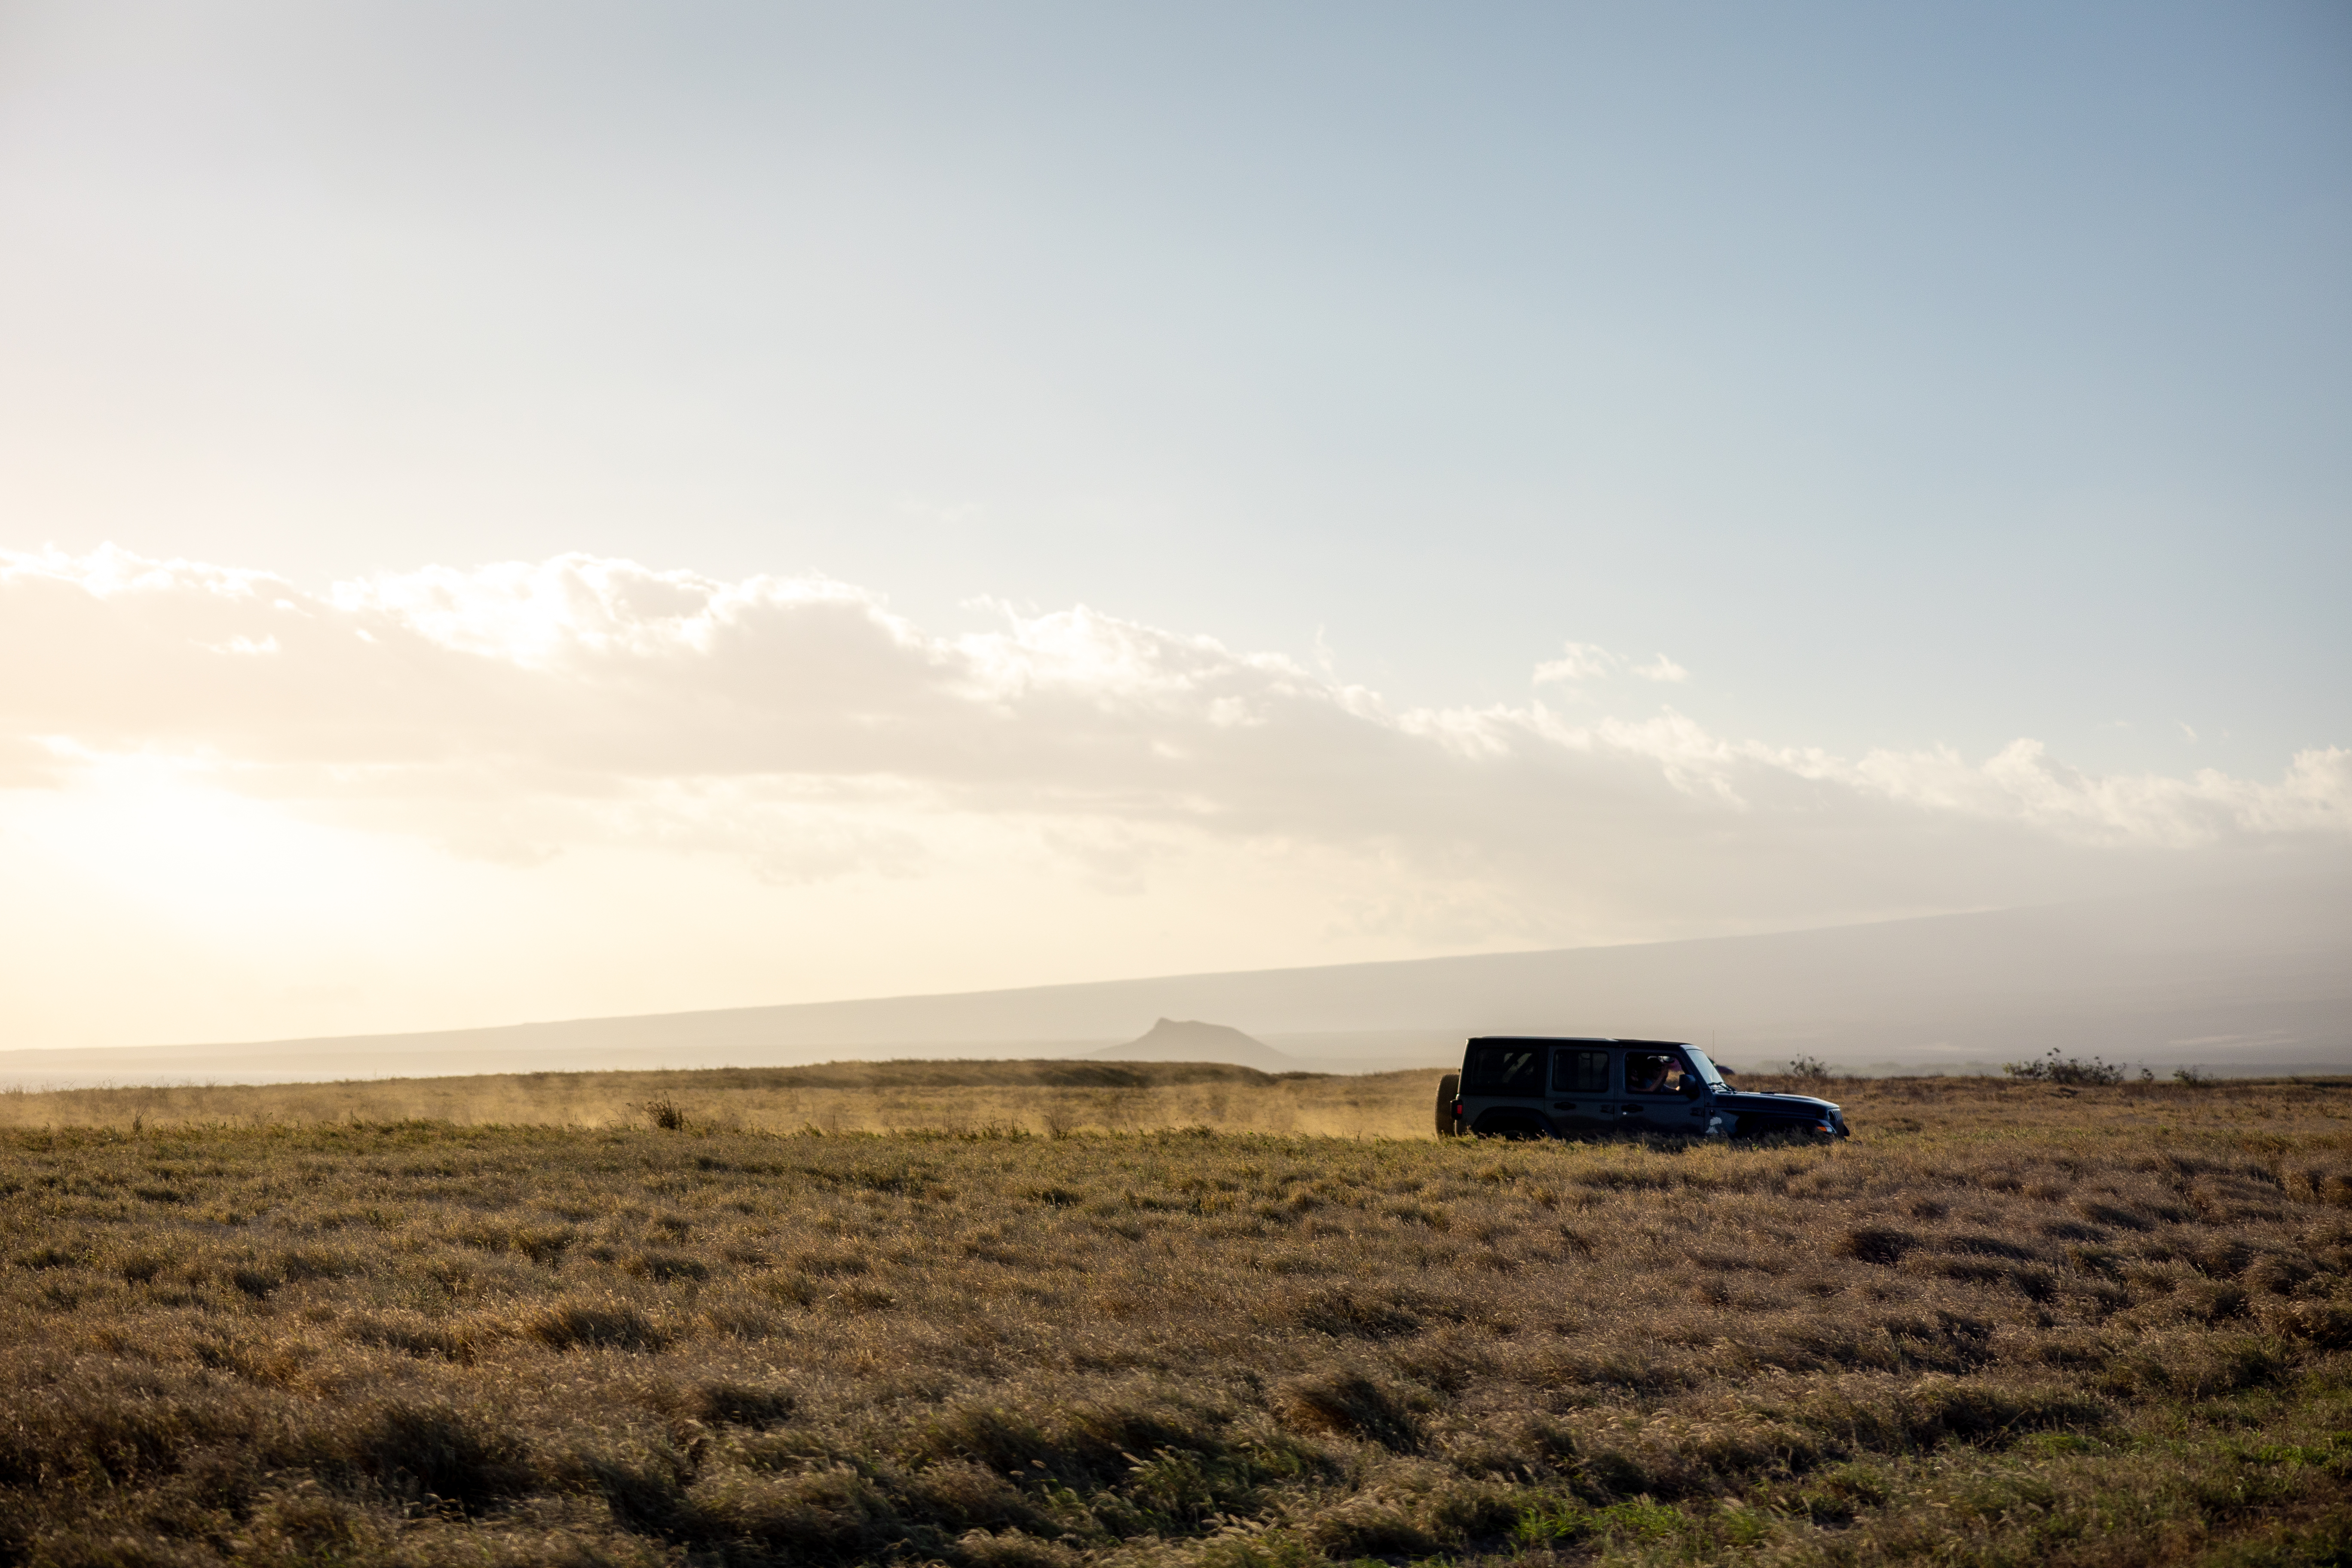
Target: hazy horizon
(2233, 981)
(574, 513)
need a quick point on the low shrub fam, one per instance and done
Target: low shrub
(2072, 1070)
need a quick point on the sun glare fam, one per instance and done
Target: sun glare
(162, 834)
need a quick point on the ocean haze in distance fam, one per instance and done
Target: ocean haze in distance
(608, 511)
(2234, 982)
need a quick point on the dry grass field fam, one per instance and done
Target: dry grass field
(1043, 1097)
(1041, 1325)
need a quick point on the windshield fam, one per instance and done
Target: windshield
(1704, 1068)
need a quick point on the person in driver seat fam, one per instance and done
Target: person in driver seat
(1647, 1075)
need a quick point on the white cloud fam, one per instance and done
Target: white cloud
(247, 647)
(1579, 661)
(797, 730)
(1582, 661)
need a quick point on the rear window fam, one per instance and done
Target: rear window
(1580, 1072)
(1502, 1069)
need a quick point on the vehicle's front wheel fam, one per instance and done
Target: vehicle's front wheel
(1754, 1129)
(1449, 1089)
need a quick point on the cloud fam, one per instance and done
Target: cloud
(800, 729)
(1582, 661)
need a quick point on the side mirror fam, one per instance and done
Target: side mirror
(1690, 1087)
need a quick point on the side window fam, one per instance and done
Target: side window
(1652, 1072)
(1580, 1072)
(1504, 1069)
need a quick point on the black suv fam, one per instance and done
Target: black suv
(1511, 1086)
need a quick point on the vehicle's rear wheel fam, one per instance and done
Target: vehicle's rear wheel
(1449, 1089)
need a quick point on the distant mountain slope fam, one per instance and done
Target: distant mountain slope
(1170, 1040)
(2237, 979)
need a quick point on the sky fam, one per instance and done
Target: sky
(527, 511)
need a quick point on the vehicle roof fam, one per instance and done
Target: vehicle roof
(1569, 1040)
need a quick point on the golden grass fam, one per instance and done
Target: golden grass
(2002, 1325)
(1044, 1096)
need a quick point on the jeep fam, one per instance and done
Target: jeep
(1511, 1086)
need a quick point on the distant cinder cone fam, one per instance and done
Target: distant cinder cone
(1180, 1040)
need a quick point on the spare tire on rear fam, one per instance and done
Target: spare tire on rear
(1449, 1089)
